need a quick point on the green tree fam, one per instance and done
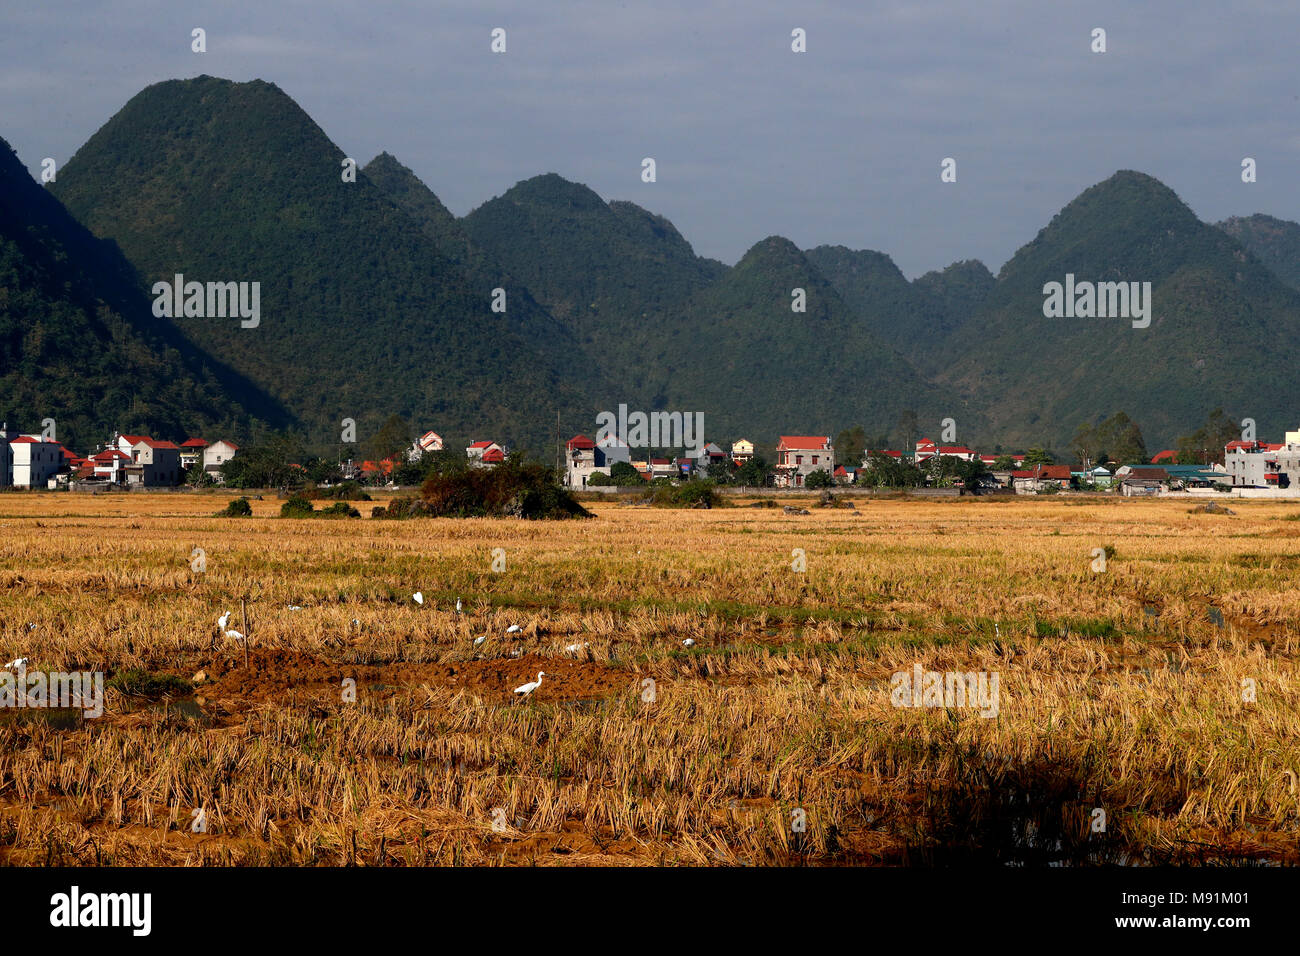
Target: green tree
(268, 464)
(1038, 456)
(392, 440)
(622, 473)
(1205, 446)
(821, 478)
(851, 445)
(755, 473)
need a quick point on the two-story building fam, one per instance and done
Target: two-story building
(216, 455)
(742, 451)
(154, 464)
(798, 456)
(192, 452)
(34, 461)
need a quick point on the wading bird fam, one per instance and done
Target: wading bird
(419, 597)
(526, 689)
(223, 620)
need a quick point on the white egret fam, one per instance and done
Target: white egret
(526, 689)
(419, 597)
(457, 605)
(689, 642)
(294, 607)
(223, 620)
(513, 629)
(234, 635)
(478, 641)
(20, 662)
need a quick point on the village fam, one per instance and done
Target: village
(1246, 468)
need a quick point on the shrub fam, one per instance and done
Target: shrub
(239, 508)
(689, 494)
(514, 489)
(344, 491)
(296, 507)
(340, 509)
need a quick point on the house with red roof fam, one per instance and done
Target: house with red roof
(582, 459)
(154, 464)
(1028, 481)
(1168, 457)
(798, 456)
(430, 441)
(1258, 464)
(33, 461)
(478, 454)
(192, 452)
(109, 465)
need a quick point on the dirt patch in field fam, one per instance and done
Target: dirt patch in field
(277, 675)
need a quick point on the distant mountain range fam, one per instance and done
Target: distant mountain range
(376, 300)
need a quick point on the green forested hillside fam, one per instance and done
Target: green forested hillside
(604, 269)
(362, 315)
(376, 300)
(1274, 242)
(741, 355)
(1224, 330)
(79, 344)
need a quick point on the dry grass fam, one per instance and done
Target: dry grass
(1120, 690)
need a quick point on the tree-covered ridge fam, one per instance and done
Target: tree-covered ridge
(604, 269)
(362, 315)
(79, 343)
(1274, 242)
(1223, 328)
(743, 355)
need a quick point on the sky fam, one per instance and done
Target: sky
(841, 144)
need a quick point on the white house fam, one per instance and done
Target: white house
(34, 461)
(429, 441)
(110, 464)
(216, 455)
(583, 458)
(742, 451)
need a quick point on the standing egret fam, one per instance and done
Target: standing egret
(526, 689)
(457, 605)
(419, 597)
(223, 620)
(478, 641)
